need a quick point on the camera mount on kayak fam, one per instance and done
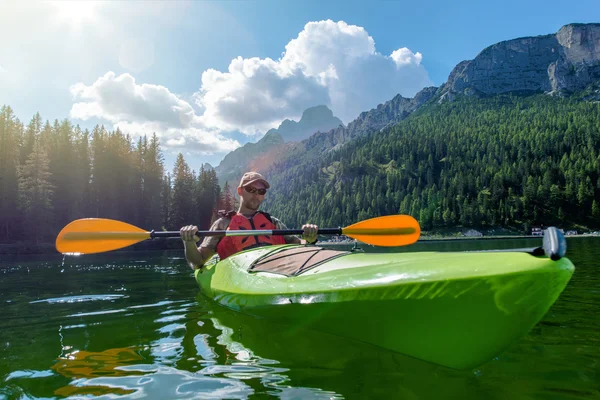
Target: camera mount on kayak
(554, 246)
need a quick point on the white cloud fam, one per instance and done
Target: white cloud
(191, 139)
(255, 95)
(328, 63)
(145, 108)
(119, 98)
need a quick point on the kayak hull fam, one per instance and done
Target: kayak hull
(454, 309)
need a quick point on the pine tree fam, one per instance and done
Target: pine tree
(166, 198)
(596, 212)
(182, 202)
(9, 158)
(32, 133)
(82, 173)
(153, 177)
(35, 192)
(227, 200)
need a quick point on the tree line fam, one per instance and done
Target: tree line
(52, 174)
(505, 161)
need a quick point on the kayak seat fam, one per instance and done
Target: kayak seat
(294, 261)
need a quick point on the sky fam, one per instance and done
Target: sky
(209, 76)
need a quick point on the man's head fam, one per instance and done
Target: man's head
(252, 189)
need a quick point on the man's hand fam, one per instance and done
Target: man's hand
(310, 233)
(188, 234)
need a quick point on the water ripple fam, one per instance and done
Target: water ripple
(29, 374)
(163, 383)
(80, 299)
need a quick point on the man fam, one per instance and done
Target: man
(252, 190)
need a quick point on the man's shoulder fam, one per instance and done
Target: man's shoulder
(220, 224)
(277, 222)
(270, 216)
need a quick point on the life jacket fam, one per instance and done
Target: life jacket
(230, 245)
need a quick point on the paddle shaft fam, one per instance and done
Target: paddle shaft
(241, 232)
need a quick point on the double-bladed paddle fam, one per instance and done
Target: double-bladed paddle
(97, 235)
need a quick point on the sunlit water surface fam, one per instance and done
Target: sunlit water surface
(134, 325)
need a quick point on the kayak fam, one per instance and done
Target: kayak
(456, 309)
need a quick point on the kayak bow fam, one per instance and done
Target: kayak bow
(454, 309)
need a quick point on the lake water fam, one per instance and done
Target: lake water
(134, 325)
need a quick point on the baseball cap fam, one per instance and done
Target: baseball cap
(250, 177)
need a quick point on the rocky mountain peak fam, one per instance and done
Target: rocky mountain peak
(566, 61)
(314, 119)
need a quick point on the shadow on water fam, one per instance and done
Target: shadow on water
(135, 325)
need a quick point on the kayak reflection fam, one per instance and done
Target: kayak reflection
(312, 359)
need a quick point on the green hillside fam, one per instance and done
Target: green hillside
(506, 161)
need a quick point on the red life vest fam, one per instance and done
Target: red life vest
(230, 245)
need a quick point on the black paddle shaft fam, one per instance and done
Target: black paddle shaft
(323, 231)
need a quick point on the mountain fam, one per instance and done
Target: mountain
(256, 156)
(314, 119)
(503, 161)
(560, 63)
(385, 114)
(488, 148)
(235, 163)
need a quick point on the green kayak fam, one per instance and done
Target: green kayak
(459, 310)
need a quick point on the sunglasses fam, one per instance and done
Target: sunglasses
(253, 190)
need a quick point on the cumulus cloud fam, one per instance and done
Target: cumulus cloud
(331, 63)
(146, 108)
(255, 95)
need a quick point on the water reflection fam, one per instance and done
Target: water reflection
(192, 353)
(77, 334)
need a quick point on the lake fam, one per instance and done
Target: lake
(134, 324)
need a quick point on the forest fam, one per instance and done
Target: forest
(52, 174)
(505, 161)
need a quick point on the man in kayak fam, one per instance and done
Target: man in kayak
(252, 190)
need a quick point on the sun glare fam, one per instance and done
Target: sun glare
(75, 12)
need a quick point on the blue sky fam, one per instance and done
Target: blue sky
(169, 67)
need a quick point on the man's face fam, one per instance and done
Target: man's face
(251, 198)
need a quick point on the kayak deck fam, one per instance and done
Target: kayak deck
(453, 309)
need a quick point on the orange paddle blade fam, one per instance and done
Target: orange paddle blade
(96, 235)
(388, 231)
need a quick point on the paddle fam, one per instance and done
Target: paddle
(96, 235)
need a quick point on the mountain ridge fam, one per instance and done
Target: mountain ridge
(559, 63)
(565, 62)
(313, 119)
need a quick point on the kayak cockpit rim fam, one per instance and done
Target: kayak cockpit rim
(293, 261)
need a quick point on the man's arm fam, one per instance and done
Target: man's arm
(289, 239)
(293, 239)
(196, 255)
